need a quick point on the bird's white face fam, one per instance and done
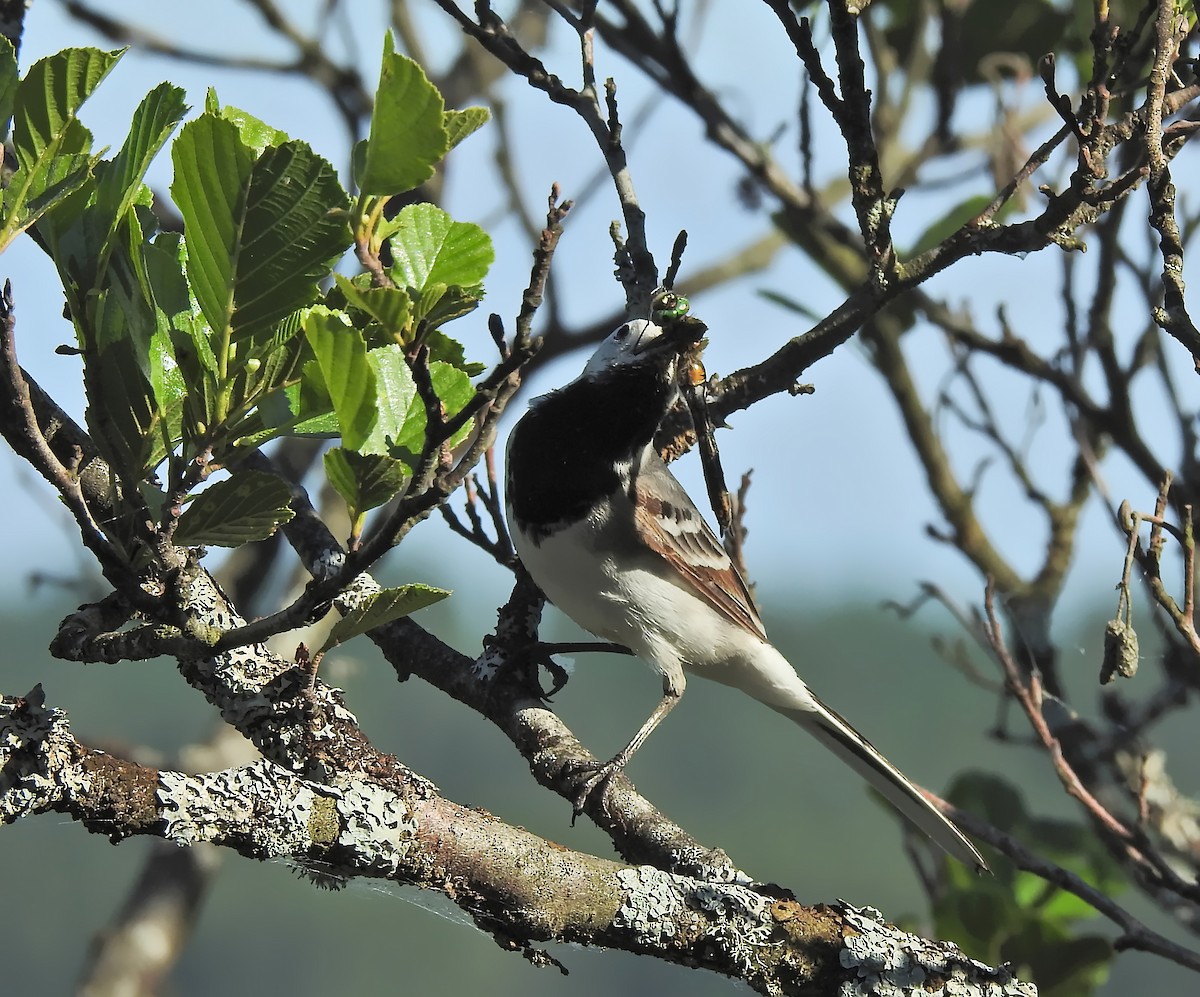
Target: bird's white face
(631, 343)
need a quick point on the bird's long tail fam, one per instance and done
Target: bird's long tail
(773, 681)
(862, 756)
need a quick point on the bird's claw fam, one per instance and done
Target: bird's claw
(524, 661)
(590, 777)
(558, 677)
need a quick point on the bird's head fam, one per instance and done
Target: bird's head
(641, 342)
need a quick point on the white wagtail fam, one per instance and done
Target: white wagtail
(614, 541)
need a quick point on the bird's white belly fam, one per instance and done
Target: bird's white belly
(633, 606)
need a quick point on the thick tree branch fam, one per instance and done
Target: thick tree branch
(360, 827)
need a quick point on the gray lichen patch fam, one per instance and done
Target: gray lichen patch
(888, 962)
(652, 904)
(723, 924)
(259, 803)
(31, 777)
(265, 811)
(376, 825)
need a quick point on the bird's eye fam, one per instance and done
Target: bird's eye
(623, 331)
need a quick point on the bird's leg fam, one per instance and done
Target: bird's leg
(597, 774)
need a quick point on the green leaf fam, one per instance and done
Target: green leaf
(170, 395)
(993, 798)
(460, 124)
(440, 304)
(121, 411)
(127, 350)
(388, 306)
(296, 227)
(165, 261)
(261, 234)
(442, 347)
(212, 175)
(364, 481)
(49, 189)
(408, 136)
(300, 409)
(51, 144)
(122, 308)
(1062, 966)
(341, 355)
(8, 83)
(791, 304)
(255, 132)
(119, 182)
(272, 360)
(399, 430)
(246, 506)
(395, 398)
(48, 100)
(429, 248)
(381, 608)
(454, 389)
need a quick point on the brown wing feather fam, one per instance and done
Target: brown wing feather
(678, 532)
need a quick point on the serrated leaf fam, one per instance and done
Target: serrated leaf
(408, 136)
(52, 146)
(8, 83)
(119, 182)
(429, 247)
(395, 396)
(261, 233)
(121, 410)
(246, 506)
(48, 99)
(123, 296)
(61, 180)
(341, 355)
(212, 174)
(454, 389)
(381, 608)
(165, 261)
(273, 360)
(255, 132)
(364, 481)
(442, 347)
(448, 304)
(460, 124)
(300, 409)
(130, 371)
(296, 228)
(399, 431)
(388, 306)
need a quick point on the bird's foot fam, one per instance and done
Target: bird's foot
(523, 661)
(543, 655)
(591, 777)
(528, 657)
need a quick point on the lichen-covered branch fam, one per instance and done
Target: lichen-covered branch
(498, 874)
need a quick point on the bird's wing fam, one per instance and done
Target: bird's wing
(672, 527)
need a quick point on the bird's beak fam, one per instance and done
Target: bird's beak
(678, 334)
